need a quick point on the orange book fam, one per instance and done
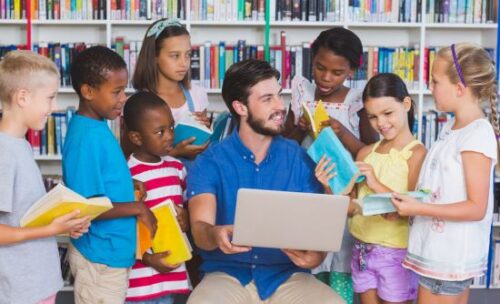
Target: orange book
(144, 240)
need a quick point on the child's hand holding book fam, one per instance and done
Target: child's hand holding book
(182, 217)
(70, 223)
(324, 172)
(187, 150)
(203, 118)
(158, 261)
(147, 217)
(367, 171)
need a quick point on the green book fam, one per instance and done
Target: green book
(380, 203)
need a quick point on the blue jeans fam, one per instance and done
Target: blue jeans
(440, 287)
(168, 299)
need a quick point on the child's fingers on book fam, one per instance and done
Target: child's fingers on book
(187, 142)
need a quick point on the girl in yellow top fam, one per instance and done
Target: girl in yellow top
(392, 164)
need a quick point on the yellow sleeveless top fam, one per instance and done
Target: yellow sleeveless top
(392, 170)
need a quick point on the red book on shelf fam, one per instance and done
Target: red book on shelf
(213, 82)
(33, 138)
(426, 66)
(260, 52)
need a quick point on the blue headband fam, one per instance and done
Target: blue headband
(156, 29)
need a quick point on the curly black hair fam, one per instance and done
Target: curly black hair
(137, 105)
(91, 65)
(342, 42)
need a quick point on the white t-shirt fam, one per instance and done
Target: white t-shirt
(443, 249)
(200, 102)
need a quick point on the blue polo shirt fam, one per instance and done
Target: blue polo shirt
(224, 168)
(94, 165)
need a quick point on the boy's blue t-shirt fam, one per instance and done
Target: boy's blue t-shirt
(94, 165)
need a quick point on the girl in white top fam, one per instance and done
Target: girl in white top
(163, 67)
(449, 235)
(336, 54)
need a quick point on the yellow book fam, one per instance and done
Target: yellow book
(319, 116)
(169, 236)
(51, 135)
(62, 200)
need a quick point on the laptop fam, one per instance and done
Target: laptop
(289, 220)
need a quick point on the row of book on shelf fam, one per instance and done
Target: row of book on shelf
(439, 11)
(54, 9)
(50, 140)
(209, 61)
(446, 11)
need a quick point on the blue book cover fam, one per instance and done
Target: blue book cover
(189, 127)
(380, 203)
(222, 62)
(348, 173)
(58, 131)
(219, 126)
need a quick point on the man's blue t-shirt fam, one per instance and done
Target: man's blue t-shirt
(224, 168)
(94, 165)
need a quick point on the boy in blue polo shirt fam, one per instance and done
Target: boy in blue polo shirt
(93, 164)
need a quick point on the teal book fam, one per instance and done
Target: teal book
(380, 203)
(221, 126)
(189, 127)
(327, 143)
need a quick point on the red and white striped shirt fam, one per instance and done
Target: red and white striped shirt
(163, 180)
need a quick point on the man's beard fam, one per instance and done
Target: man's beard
(257, 125)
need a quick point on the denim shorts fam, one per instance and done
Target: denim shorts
(440, 287)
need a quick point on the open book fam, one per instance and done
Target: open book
(348, 173)
(62, 200)
(380, 203)
(315, 118)
(188, 127)
(168, 237)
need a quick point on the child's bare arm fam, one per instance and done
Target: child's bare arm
(63, 224)
(415, 164)
(138, 209)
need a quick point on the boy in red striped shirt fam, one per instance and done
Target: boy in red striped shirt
(151, 128)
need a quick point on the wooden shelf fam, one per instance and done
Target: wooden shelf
(48, 157)
(480, 26)
(226, 23)
(81, 22)
(325, 24)
(399, 25)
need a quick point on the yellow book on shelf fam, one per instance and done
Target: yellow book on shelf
(169, 236)
(316, 118)
(62, 200)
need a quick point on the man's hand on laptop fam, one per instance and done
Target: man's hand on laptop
(305, 258)
(222, 236)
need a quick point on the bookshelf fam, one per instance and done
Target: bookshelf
(419, 34)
